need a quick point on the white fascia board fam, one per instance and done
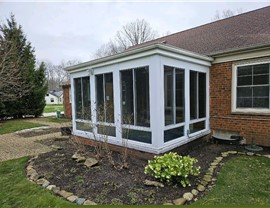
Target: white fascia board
(161, 49)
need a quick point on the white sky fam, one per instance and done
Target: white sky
(75, 30)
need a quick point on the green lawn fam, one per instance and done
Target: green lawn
(243, 180)
(54, 120)
(16, 125)
(17, 191)
(53, 108)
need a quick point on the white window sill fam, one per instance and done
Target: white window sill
(251, 111)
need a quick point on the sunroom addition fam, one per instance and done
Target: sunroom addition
(153, 98)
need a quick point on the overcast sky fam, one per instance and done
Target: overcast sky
(75, 30)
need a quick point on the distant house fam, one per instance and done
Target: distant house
(214, 78)
(54, 97)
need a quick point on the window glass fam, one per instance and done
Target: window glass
(137, 135)
(84, 126)
(180, 95)
(172, 134)
(86, 98)
(142, 95)
(127, 97)
(109, 107)
(100, 97)
(78, 97)
(193, 94)
(202, 95)
(253, 86)
(168, 91)
(194, 127)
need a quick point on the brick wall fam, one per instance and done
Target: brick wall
(221, 118)
(67, 104)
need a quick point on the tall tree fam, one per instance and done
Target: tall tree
(18, 69)
(133, 33)
(226, 13)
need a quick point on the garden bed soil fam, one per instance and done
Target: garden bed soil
(105, 184)
(38, 132)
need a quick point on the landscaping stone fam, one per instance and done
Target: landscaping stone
(31, 171)
(89, 162)
(241, 153)
(204, 183)
(268, 156)
(250, 153)
(72, 198)
(219, 158)
(56, 190)
(34, 176)
(51, 187)
(56, 147)
(194, 192)
(214, 164)
(207, 178)
(179, 201)
(75, 156)
(29, 167)
(232, 152)
(188, 196)
(153, 183)
(43, 182)
(65, 194)
(224, 154)
(80, 159)
(80, 201)
(201, 188)
(89, 202)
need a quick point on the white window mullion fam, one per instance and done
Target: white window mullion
(104, 97)
(197, 95)
(173, 97)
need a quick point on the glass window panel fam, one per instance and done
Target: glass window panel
(261, 91)
(84, 126)
(247, 80)
(180, 95)
(168, 92)
(261, 102)
(109, 107)
(106, 130)
(196, 127)
(142, 96)
(100, 98)
(86, 98)
(172, 134)
(78, 97)
(137, 135)
(244, 92)
(202, 95)
(244, 70)
(193, 95)
(127, 97)
(261, 79)
(244, 102)
(261, 69)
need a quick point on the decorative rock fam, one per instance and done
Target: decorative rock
(201, 188)
(72, 198)
(153, 183)
(34, 176)
(194, 192)
(219, 158)
(50, 187)
(188, 196)
(214, 164)
(56, 147)
(241, 153)
(80, 201)
(232, 152)
(204, 183)
(80, 159)
(167, 203)
(31, 171)
(56, 190)
(43, 182)
(75, 156)
(88, 202)
(29, 167)
(179, 201)
(65, 194)
(207, 178)
(268, 156)
(89, 162)
(250, 153)
(224, 154)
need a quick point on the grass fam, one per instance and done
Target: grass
(16, 125)
(243, 180)
(52, 108)
(17, 191)
(54, 119)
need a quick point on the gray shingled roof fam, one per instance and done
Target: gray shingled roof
(56, 93)
(241, 31)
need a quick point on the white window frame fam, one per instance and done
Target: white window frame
(236, 110)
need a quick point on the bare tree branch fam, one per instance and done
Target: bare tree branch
(226, 13)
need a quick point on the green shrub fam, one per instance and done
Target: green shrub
(172, 168)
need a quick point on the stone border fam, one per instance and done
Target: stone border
(204, 183)
(208, 178)
(33, 176)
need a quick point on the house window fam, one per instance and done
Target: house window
(252, 86)
(197, 95)
(135, 97)
(52, 100)
(174, 95)
(82, 98)
(104, 91)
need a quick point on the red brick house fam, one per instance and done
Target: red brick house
(214, 78)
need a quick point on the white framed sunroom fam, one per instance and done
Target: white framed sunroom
(163, 90)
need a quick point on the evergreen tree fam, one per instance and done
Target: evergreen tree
(27, 98)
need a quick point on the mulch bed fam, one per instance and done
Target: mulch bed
(38, 132)
(105, 184)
